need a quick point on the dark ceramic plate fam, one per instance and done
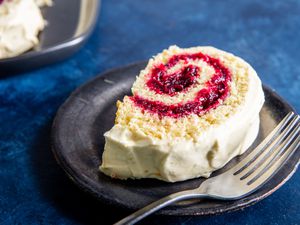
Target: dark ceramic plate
(70, 22)
(78, 145)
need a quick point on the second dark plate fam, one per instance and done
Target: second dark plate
(70, 23)
(78, 143)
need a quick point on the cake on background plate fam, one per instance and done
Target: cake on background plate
(21, 22)
(192, 110)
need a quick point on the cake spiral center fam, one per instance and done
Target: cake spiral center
(215, 90)
(163, 83)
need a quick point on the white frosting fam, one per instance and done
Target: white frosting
(20, 23)
(42, 3)
(134, 155)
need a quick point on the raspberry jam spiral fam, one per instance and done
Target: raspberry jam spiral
(215, 90)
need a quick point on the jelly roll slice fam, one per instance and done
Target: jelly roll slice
(192, 110)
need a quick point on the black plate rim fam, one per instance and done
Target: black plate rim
(84, 184)
(68, 43)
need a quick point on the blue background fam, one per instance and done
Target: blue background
(34, 190)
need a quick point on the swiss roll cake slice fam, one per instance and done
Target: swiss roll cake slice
(191, 111)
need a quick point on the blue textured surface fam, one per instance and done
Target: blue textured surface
(34, 190)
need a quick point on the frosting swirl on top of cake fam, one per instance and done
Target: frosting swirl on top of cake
(186, 106)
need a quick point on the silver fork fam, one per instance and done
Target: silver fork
(244, 178)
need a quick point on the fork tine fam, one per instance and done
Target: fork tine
(273, 146)
(290, 147)
(265, 143)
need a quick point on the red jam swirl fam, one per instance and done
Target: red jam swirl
(214, 92)
(170, 84)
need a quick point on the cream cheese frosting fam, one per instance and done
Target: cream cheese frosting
(202, 145)
(20, 23)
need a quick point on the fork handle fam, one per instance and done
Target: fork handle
(157, 205)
